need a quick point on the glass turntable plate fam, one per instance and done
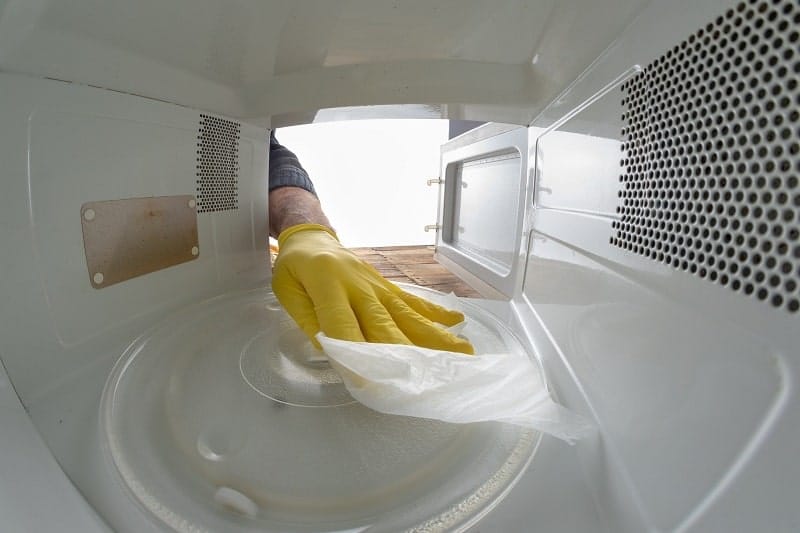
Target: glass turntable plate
(224, 417)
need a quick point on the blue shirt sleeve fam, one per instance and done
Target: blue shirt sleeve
(285, 169)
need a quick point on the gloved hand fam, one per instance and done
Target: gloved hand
(325, 287)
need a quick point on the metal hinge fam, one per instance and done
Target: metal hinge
(435, 227)
(435, 181)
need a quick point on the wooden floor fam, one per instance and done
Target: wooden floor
(414, 264)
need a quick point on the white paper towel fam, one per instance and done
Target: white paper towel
(413, 381)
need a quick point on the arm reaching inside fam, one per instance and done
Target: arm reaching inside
(325, 287)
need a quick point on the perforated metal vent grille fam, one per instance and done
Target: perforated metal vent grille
(710, 159)
(217, 164)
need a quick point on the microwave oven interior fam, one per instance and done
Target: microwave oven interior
(629, 211)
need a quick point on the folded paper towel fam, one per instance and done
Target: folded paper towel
(448, 386)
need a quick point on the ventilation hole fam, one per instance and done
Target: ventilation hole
(217, 164)
(710, 155)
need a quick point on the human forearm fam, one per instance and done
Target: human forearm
(292, 199)
(289, 206)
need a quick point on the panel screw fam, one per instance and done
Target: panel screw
(195, 250)
(98, 278)
(192, 203)
(89, 214)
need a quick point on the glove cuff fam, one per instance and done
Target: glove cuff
(288, 232)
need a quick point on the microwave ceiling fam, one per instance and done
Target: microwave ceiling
(253, 60)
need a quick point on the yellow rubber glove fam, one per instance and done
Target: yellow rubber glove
(326, 287)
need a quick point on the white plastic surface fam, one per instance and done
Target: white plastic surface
(64, 145)
(481, 59)
(35, 495)
(692, 385)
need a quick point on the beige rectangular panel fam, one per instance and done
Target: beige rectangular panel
(123, 239)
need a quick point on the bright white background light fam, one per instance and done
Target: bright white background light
(371, 176)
